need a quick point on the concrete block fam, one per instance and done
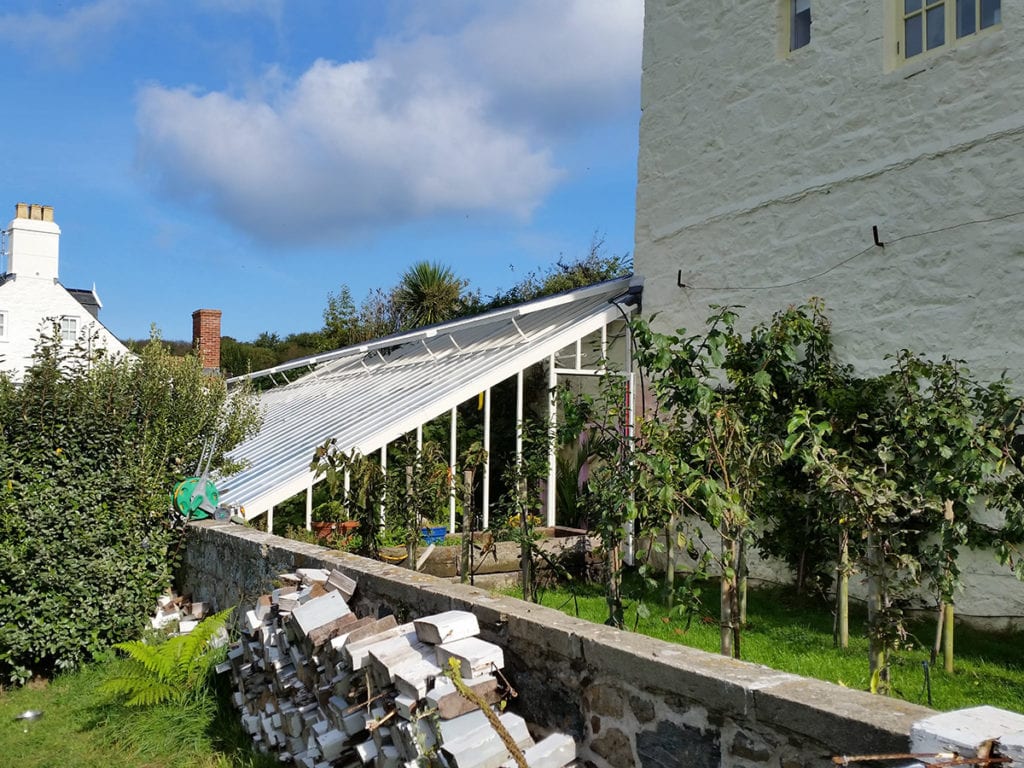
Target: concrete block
(356, 653)
(476, 657)
(339, 581)
(319, 611)
(1012, 746)
(331, 744)
(449, 703)
(964, 731)
(483, 747)
(446, 627)
(366, 750)
(312, 575)
(554, 751)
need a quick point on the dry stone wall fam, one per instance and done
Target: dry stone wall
(628, 700)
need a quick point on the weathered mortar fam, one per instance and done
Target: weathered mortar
(629, 700)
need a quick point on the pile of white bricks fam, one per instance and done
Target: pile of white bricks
(177, 613)
(324, 688)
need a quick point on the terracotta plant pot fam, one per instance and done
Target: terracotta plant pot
(327, 529)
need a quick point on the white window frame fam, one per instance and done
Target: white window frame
(950, 33)
(4, 327)
(69, 328)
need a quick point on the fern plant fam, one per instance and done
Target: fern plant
(175, 671)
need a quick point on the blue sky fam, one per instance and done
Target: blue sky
(254, 155)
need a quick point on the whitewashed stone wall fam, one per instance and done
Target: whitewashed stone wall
(761, 169)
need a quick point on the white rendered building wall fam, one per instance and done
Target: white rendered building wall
(759, 169)
(27, 303)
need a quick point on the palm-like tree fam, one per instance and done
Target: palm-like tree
(429, 292)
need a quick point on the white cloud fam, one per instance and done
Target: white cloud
(431, 123)
(64, 38)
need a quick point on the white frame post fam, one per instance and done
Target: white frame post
(452, 455)
(552, 457)
(486, 480)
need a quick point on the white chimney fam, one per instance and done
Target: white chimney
(34, 242)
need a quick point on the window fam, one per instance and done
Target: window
(68, 329)
(930, 24)
(3, 325)
(799, 23)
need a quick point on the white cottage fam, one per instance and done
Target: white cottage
(31, 295)
(778, 137)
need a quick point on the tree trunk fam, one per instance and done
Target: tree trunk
(670, 562)
(938, 633)
(614, 565)
(877, 651)
(843, 592)
(729, 598)
(741, 575)
(466, 563)
(525, 548)
(412, 536)
(947, 638)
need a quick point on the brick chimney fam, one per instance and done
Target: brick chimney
(206, 338)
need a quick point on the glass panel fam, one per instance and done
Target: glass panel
(909, 6)
(800, 26)
(965, 17)
(912, 36)
(990, 13)
(799, 6)
(936, 26)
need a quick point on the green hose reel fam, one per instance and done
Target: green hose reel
(196, 498)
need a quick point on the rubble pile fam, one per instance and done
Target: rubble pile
(324, 688)
(173, 609)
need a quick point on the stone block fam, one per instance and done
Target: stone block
(446, 627)
(965, 731)
(319, 611)
(476, 657)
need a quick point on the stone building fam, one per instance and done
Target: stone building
(778, 136)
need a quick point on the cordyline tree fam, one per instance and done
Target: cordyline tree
(90, 449)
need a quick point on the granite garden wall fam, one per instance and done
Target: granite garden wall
(628, 700)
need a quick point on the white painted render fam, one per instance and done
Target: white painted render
(762, 172)
(759, 169)
(31, 297)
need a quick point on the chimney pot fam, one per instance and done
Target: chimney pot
(21, 211)
(47, 213)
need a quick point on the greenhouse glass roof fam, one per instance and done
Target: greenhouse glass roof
(368, 395)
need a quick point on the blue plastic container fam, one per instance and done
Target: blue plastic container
(435, 535)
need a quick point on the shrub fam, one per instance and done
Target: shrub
(89, 450)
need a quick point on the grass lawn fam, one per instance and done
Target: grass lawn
(794, 634)
(79, 729)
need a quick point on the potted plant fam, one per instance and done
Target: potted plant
(330, 519)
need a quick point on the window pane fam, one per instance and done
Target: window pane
(990, 13)
(912, 36)
(965, 17)
(936, 26)
(800, 25)
(909, 6)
